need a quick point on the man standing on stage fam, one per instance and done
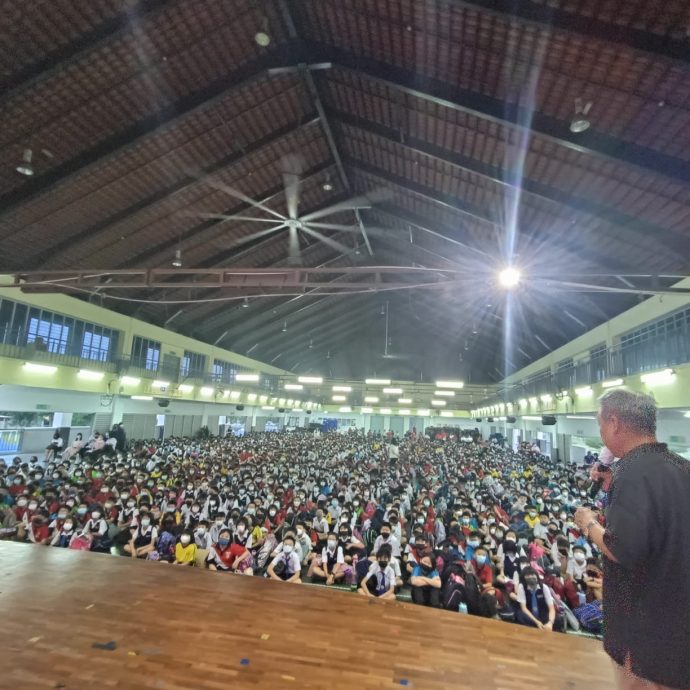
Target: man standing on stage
(646, 547)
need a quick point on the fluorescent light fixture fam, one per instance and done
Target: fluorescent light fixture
(342, 389)
(235, 395)
(247, 377)
(310, 379)
(142, 397)
(438, 403)
(185, 388)
(527, 418)
(40, 368)
(367, 410)
(371, 399)
(339, 398)
(565, 393)
(281, 401)
(546, 398)
(612, 383)
(345, 409)
(296, 409)
(293, 387)
(251, 397)
(289, 402)
(577, 416)
(226, 394)
(522, 402)
(130, 380)
(656, 378)
(584, 392)
(90, 375)
(423, 413)
(446, 413)
(267, 407)
(500, 419)
(263, 399)
(206, 390)
(377, 382)
(450, 384)
(447, 394)
(404, 401)
(160, 384)
(533, 401)
(687, 415)
(392, 391)
(404, 411)
(385, 410)
(509, 407)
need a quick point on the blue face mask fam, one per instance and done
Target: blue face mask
(480, 560)
(223, 542)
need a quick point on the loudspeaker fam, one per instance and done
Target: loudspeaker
(479, 419)
(281, 410)
(239, 408)
(548, 420)
(511, 420)
(308, 411)
(489, 419)
(163, 403)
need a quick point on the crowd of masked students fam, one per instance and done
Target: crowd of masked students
(463, 525)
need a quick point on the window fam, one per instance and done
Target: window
(97, 346)
(223, 372)
(193, 364)
(47, 336)
(146, 353)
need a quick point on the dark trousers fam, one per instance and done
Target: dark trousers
(426, 595)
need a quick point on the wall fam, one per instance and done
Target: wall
(649, 310)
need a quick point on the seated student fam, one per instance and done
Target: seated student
(38, 531)
(64, 534)
(386, 536)
(96, 529)
(536, 604)
(143, 538)
(331, 565)
(303, 540)
(380, 578)
(426, 583)
(185, 550)
(350, 544)
(286, 565)
(228, 556)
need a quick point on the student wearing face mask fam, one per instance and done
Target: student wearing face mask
(380, 580)
(228, 556)
(386, 536)
(143, 537)
(286, 564)
(536, 606)
(331, 565)
(96, 529)
(217, 525)
(63, 536)
(185, 549)
(426, 583)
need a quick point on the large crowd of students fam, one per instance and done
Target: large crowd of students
(447, 519)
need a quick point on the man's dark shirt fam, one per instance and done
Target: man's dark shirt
(647, 593)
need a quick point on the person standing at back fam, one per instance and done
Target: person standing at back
(646, 547)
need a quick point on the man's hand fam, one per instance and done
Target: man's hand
(583, 516)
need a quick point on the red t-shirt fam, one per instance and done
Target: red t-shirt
(229, 554)
(485, 574)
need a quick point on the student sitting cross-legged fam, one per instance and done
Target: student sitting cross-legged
(380, 579)
(286, 565)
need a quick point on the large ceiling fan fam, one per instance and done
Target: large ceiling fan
(310, 224)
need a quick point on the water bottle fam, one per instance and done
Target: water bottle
(462, 608)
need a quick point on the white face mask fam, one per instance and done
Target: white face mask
(288, 548)
(331, 544)
(184, 539)
(145, 522)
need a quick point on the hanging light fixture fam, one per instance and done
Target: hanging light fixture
(177, 260)
(245, 303)
(580, 122)
(284, 328)
(25, 167)
(327, 185)
(262, 37)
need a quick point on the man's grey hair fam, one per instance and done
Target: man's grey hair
(635, 410)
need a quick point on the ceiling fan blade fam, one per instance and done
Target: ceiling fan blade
(293, 246)
(231, 191)
(223, 216)
(335, 226)
(292, 168)
(256, 236)
(351, 205)
(327, 240)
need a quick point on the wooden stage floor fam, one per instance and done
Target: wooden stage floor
(187, 629)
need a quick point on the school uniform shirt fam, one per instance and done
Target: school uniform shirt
(224, 558)
(540, 531)
(202, 541)
(392, 540)
(418, 572)
(332, 557)
(92, 526)
(527, 601)
(143, 536)
(576, 570)
(384, 579)
(214, 531)
(185, 554)
(320, 526)
(291, 560)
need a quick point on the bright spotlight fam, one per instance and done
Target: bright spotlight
(509, 277)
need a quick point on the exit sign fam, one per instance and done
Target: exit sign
(677, 439)
(42, 407)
